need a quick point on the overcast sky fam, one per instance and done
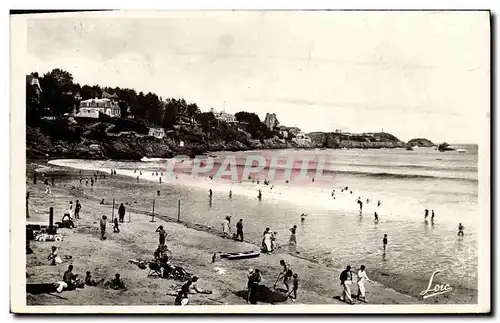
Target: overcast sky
(414, 74)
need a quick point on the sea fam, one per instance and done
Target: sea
(334, 231)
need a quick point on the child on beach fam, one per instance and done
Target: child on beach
(162, 234)
(295, 287)
(103, 227)
(115, 227)
(54, 257)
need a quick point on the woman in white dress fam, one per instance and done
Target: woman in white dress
(362, 277)
(267, 241)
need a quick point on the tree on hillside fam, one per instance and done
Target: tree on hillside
(154, 109)
(170, 115)
(192, 111)
(206, 119)
(57, 95)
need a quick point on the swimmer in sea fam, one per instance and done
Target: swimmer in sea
(378, 204)
(210, 193)
(426, 213)
(432, 215)
(333, 192)
(384, 241)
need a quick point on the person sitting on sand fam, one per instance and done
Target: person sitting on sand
(91, 282)
(182, 298)
(162, 234)
(116, 283)
(70, 279)
(54, 257)
(190, 287)
(115, 227)
(67, 221)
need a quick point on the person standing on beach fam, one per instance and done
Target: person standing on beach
(137, 179)
(461, 229)
(115, 227)
(86, 181)
(239, 230)
(81, 180)
(103, 227)
(385, 241)
(121, 212)
(47, 186)
(249, 283)
(92, 182)
(345, 282)
(426, 214)
(260, 195)
(266, 241)
(432, 215)
(230, 194)
(162, 234)
(226, 227)
(210, 193)
(293, 239)
(362, 277)
(78, 207)
(255, 286)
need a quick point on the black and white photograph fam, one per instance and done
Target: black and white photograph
(251, 161)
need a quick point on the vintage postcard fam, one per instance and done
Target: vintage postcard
(250, 162)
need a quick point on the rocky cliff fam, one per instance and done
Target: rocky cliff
(420, 142)
(103, 140)
(364, 140)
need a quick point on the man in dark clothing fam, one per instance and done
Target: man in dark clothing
(78, 207)
(239, 230)
(255, 286)
(345, 282)
(121, 212)
(103, 227)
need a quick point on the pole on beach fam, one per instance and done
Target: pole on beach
(113, 212)
(179, 211)
(153, 217)
(129, 215)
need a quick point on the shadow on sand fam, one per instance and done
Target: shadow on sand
(265, 295)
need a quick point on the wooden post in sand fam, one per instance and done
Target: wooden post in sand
(153, 217)
(113, 212)
(179, 211)
(129, 215)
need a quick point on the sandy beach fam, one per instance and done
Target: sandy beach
(192, 246)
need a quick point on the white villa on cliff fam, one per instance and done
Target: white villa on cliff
(224, 116)
(92, 107)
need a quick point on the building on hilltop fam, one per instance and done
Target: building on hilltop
(224, 116)
(302, 139)
(157, 132)
(271, 121)
(92, 108)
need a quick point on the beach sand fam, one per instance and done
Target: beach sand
(192, 246)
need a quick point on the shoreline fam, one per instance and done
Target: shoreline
(391, 281)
